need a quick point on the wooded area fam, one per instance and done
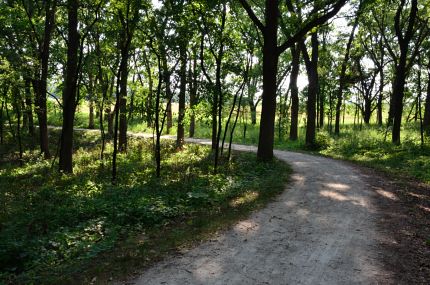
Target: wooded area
(347, 79)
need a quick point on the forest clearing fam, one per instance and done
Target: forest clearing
(214, 142)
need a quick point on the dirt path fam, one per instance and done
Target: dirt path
(321, 230)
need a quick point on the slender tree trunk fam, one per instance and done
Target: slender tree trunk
(17, 106)
(380, 97)
(312, 70)
(234, 125)
(270, 68)
(158, 128)
(115, 133)
(321, 96)
(1, 123)
(342, 76)
(123, 71)
(193, 96)
(398, 93)
(167, 82)
(419, 102)
(426, 120)
(182, 91)
(253, 111)
(29, 107)
(91, 115)
(219, 105)
(70, 89)
(40, 86)
(401, 68)
(295, 54)
(148, 102)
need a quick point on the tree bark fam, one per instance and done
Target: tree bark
(295, 54)
(342, 76)
(426, 120)
(91, 115)
(182, 91)
(123, 73)
(70, 88)
(193, 95)
(312, 71)
(401, 69)
(270, 68)
(381, 91)
(29, 107)
(253, 109)
(1, 122)
(40, 84)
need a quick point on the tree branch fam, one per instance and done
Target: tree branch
(310, 25)
(252, 15)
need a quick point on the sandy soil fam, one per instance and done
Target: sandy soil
(321, 230)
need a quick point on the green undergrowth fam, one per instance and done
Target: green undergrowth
(369, 147)
(57, 228)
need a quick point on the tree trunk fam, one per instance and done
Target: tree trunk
(401, 69)
(426, 120)
(253, 109)
(17, 106)
(183, 86)
(295, 66)
(193, 96)
(398, 93)
(342, 76)
(29, 107)
(123, 71)
(270, 68)
(70, 88)
(40, 86)
(367, 111)
(1, 122)
(312, 70)
(91, 115)
(380, 97)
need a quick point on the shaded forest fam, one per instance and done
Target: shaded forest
(82, 82)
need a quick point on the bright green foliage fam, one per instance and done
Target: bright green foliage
(53, 225)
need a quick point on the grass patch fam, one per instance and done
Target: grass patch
(71, 228)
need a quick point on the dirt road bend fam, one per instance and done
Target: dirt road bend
(321, 230)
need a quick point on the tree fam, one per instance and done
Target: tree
(404, 33)
(271, 52)
(311, 63)
(342, 79)
(70, 88)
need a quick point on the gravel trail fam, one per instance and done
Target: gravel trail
(321, 230)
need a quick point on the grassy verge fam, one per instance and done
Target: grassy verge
(367, 145)
(57, 228)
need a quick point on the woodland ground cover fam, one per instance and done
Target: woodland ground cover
(368, 145)
(68, 228)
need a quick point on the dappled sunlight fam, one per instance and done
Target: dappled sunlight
(246, 198)
(209, 269)
(357, 201)
(427, 209)
(333, 195)
(387, 194)
(299, 180)
(247, 227)
(337, 186)
(302, 213)
(420, 196)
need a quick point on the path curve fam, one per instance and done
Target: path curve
(320, 230)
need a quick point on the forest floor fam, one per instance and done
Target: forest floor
(335, 223)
